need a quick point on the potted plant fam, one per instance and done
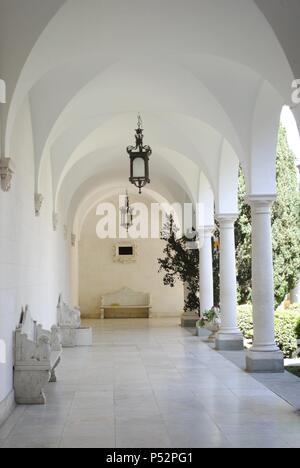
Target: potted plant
(210, 320)
(181, 262)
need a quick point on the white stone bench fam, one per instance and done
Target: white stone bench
(69, 322)
(37, 354)
(125, 303)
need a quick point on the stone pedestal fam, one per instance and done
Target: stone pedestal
(229, 341)
(264, 362)
(229, 337)
(72, 337)
(29, 384)
(68, 337)
(189, 319)
(84, 336)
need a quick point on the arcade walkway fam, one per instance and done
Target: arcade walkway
(152, 384)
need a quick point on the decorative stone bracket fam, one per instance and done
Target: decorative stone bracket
(65, 232)
(2, 92)
(38, 202)
(6, 174)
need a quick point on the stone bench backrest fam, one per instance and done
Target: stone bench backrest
(34, 344)
(125, 297)
(67, 317)
(28, 326)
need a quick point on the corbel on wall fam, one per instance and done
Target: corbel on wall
(55, 221)
(38, 202)
(6, 174)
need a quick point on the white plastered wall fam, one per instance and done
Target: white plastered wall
(98, 274)
(33, 258)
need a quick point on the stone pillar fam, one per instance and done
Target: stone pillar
(229, 337)
(264, 356)
(206, 271)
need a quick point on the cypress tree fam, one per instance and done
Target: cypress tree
(285, 229)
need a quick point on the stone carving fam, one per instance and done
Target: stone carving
(2, 92)
(6, 174)
(125, 298)
(71, 332)
(212, 322)
(38, 202)
(55, 338)
(66, 316)
(73, 240)
(44, 349)
(37, 354)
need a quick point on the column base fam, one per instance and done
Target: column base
(229, 342)
(264, 362)
(189, 320)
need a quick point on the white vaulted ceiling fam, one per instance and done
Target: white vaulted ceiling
(208, 77)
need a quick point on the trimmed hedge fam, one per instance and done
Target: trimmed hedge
(285, 327)
(297, 329)
(245, 321)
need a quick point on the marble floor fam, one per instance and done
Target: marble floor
(152, 384)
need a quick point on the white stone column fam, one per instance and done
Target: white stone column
(229, 336)
(264, 356)
(206, 271)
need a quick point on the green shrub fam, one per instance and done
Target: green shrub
(245, 321)
(297, 329)
(287, 325)
(295, 308)
(285, 335)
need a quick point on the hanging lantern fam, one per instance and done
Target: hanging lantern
(126, 214)
(139, 159)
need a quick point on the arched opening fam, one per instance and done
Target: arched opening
(211, 93)
(103, 270)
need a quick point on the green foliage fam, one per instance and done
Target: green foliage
(294, 308)
(285, 336)
(286, 222)
(285, 228)
(243, 231)
(245, 321)
(180, 263)
(297, 329)
(286, 323)
(216, 267)
(209, 316)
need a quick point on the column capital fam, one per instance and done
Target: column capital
(209, 231)
(55, 221)
(73, 240)
(6, 173)
(261, 203)
(227, 220)
(38, 202)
